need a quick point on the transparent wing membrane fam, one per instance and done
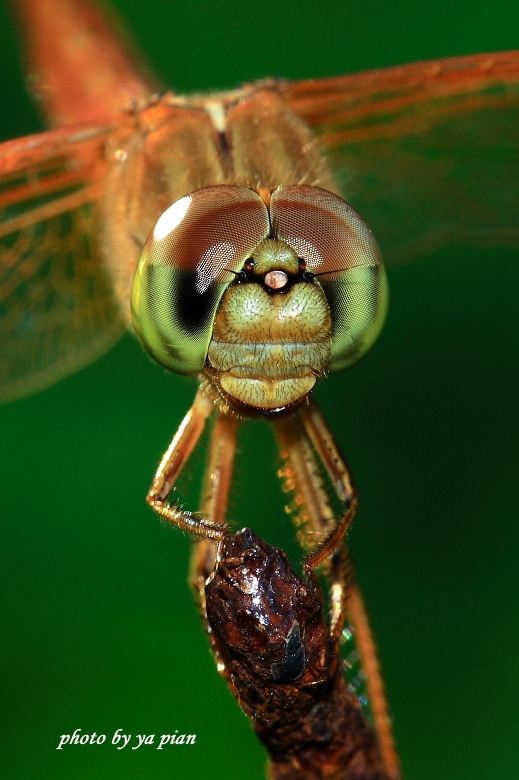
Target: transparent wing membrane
(57, 311)
(427, 153)
(352, 669)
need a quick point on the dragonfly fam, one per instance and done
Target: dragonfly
(80, 201)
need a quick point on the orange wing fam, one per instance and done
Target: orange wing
(81, 64)
(57, 311)
(427, 153)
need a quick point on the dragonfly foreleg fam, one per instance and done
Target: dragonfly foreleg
(215, 493)
(172, 464)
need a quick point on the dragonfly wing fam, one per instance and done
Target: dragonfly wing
(57, 310)
(82, 66)
(427, 153)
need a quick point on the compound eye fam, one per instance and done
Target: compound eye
(187, 263)
(340, 251)
(325, 231)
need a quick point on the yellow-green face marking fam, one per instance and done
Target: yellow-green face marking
(268, 298)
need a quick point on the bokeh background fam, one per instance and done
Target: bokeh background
(99, 630)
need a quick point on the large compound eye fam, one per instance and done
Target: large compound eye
(185, 268)
(339, 248)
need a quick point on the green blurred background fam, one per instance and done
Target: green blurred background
(99, 630)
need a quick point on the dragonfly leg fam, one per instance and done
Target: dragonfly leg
(310, 508)
(326, 447)
(305, 439)
(303, 476)
(172, 464)
(303, 443)
(215, 492)
(340, 575)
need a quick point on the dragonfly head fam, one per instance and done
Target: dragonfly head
(264, 299)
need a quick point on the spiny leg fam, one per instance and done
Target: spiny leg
(326, 447)
(217, 482)
(172, 464)
(310, 506)
(300, 442)
(304, 477)
(340, 576)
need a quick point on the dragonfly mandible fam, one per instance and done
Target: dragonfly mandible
(56, 186)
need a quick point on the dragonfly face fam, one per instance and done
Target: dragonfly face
(264, 294)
